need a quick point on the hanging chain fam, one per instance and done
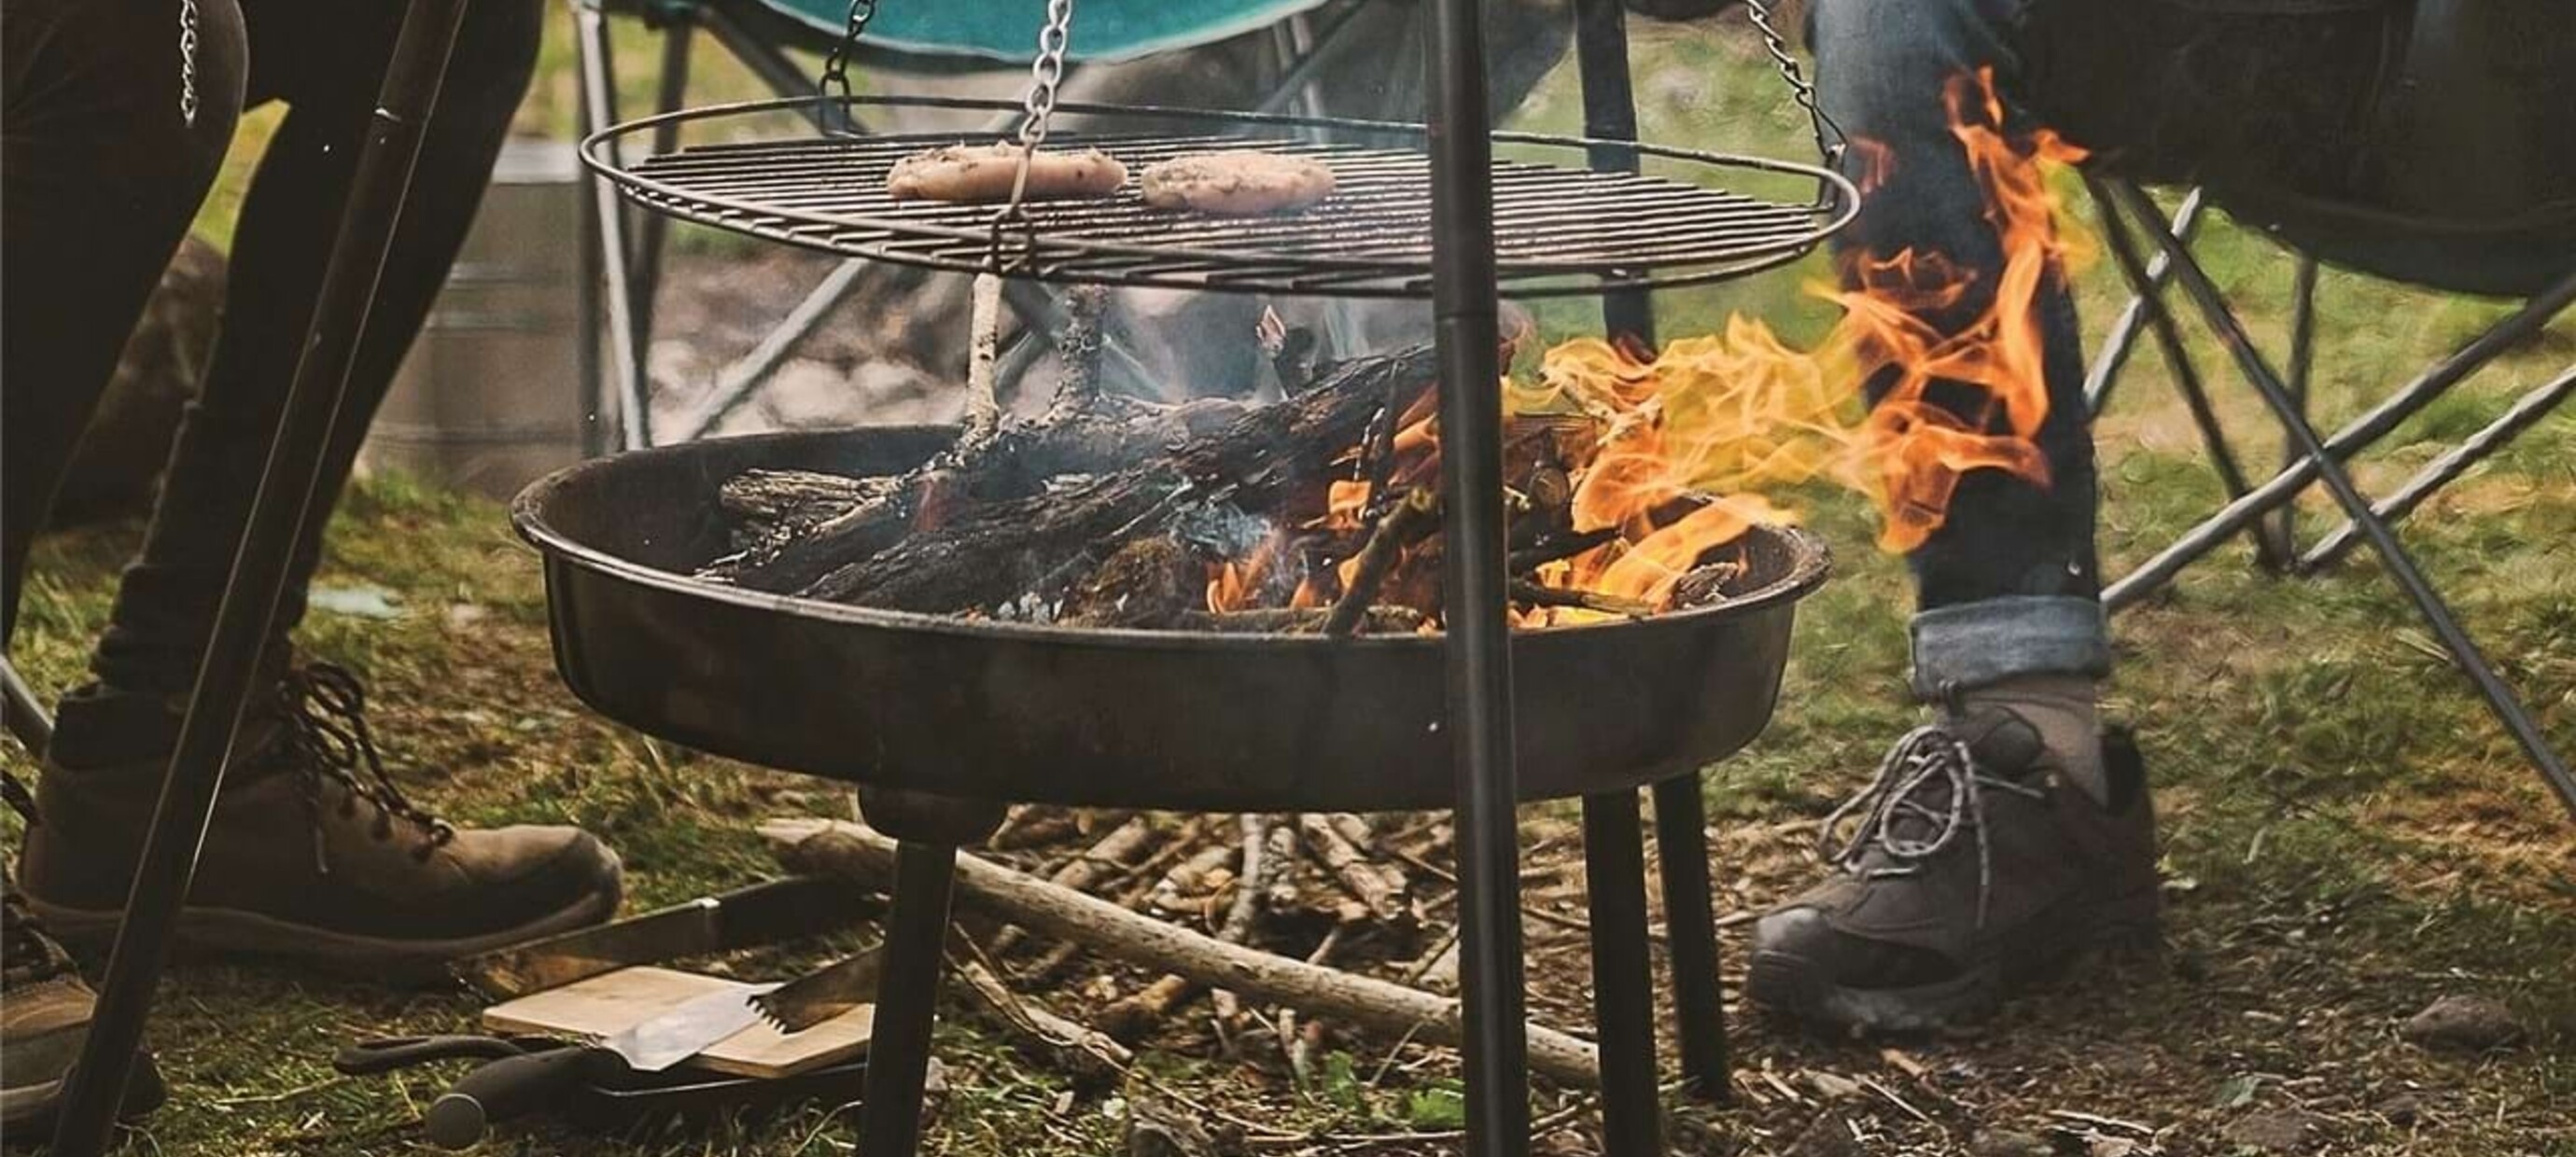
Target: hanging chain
(1830, 142)
(1046, 74)
(188, 62)
(833, 89)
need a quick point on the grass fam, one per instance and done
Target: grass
(2346, 833)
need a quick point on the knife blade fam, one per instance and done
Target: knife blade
(825, 993)
(686, 1030)
(767, 913)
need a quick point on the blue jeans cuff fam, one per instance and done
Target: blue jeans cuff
(1969, 645)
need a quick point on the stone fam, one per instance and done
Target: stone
(2465, 1023)
(2009, 1143)
(1829, 1135)
(2272, 1131)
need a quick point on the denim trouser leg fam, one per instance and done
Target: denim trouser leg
(2008, 585)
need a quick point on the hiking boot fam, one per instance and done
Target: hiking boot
(44, 1020)
(313, 853)
(1973, 866)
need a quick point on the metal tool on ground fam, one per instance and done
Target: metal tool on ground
(762, 914)
(825, 993)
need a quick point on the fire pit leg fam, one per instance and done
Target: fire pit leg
(899, 1051)
(928, 830)
(1623, 981)
(1690, 928)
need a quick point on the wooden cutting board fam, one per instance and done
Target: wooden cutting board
(613, 1002)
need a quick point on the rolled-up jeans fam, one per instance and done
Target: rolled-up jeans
(2009, 585)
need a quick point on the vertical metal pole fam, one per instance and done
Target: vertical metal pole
(2284, 532)
(229, 673)
(907, 999)
(652, 228)
(599, 105)
(2392, 555)
(589, 310)
(1623, 981)
(1478, 651)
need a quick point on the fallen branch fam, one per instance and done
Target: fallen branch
(1070, 1046)
(1337, 847)
(1124, 844)
(859, 853)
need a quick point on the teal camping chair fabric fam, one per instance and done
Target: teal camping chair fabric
(1008, 29)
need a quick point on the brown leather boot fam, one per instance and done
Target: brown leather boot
(45, 1012)
(1971, 867)
(313, 853)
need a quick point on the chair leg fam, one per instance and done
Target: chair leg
(2428, 602)
(606, 215)
(1690, 931)
(678, 37)
(2195, 396)
(1623, 983)
(2370, 427)
(22, 713)
(2123, 338)
(2525, 412)
(2284, 531)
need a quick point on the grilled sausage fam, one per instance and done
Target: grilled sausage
(985, 173)
(1237, 182)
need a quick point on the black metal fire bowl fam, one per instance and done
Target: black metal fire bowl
(1105, 718)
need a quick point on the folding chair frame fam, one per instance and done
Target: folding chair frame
(2264, 511)
(622, 248)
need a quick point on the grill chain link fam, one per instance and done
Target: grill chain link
(833, 88)
(188, 62)
(1830, 142)
(1046, 74)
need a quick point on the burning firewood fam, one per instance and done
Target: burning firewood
(1410, 520)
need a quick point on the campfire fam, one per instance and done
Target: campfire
(1631, 474)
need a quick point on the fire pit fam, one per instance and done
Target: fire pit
(1151, 719)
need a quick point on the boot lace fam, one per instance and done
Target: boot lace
(30, 956)
(1928, 790)
(324, 710)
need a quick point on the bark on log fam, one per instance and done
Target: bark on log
(986, 555)
(856, 852)
(1381, 895)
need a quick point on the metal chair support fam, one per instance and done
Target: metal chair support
(2321, 458)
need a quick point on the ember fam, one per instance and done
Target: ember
(1630, 474)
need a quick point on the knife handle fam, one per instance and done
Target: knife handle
(506, 1088)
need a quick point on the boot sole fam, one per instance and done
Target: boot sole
(27, 1113)
(1788, 983)
(204, 933)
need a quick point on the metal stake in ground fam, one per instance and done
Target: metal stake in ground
(310, 421)
(1496, 1060)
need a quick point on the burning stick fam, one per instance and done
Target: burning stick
(1409, 521)
(1336, 841)
(859, 853)
(1525, 591)
(1381, 619)
(983, 409)
(1079, 348)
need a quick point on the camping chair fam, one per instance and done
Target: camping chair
(622, 250)
(2505, 107)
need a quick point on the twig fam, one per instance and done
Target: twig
(857, 852)
(1113, 851)
(1380, 892)
(983, 409)
(1078, 347)
(1070, 1045)
(1883, 1091)
(1525, 591)
(1408, 521)
(1559, 548)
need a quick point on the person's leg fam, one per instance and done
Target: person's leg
(100, 172)
(1915, 928)
(99, 178)
(312, 851)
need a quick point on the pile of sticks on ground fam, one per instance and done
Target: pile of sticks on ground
(1260, 934)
